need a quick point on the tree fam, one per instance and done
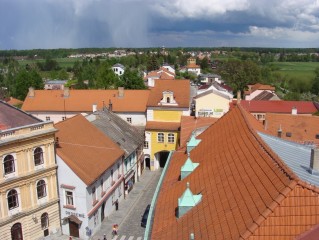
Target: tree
(204, 63)
(240, 73)
(26, 79)
(152, 63)
(315, 82)
(131, 79)
(106, 78)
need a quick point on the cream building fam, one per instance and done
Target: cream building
(28, 185)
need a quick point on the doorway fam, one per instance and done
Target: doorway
(74, 228)
(163, 158)
(148, 163)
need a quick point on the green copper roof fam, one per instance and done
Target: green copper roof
(188, 199)
(189, 166)
(193, 142)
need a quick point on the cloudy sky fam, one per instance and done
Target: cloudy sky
(29, 24)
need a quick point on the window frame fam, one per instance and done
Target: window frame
(146, 145)
(40, 155)
(170, 136)
(129, 119)
(160, 137)
(67, 198)
(44, 220)
(11, 162)
(13, 198)
(41, 189)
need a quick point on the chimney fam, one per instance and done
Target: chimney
(66, 92)
(110, 105)
(279, 131)
(294, 111)
(314, 161)
(238, 96)
(94, 107)
(31, 92)
(121, 91)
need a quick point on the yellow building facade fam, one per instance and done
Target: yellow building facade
(28, 182)
(169, 100)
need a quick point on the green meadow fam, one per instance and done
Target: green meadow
(296, 70)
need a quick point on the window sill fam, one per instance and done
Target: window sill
(69, 207)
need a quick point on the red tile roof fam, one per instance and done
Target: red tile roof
(193, 65)
(303, 128)
(247, 191)
(14, 102)
(170, 126)
(190, 124)
(277, 106)
(82, 100)
(180, 89)
(259, 86)
(88, 153)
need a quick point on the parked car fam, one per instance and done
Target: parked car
(145, 215)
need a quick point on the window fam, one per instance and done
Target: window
(112, 174)
(63, 118)
(38, 156)
(102, 185)
(171, 138)
(145, 144)
(126, 164)
(93, 195)
(69, 198)
(16, 232)
(168, 100)
(41, 189)
(44, 221)
(8, 164)
(47, 118)
(129, 120)
(13, 201)
(160, 137)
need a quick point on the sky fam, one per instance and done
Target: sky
(49, 24)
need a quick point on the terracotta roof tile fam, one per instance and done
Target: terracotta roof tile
(190, 124)
(14, 102)
(278, 106)
(180, 89)
(303, 129)
(82, 100)
(80, 149)
(245, 188)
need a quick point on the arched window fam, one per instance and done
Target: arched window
(168, 100)
(8, 164)
(44, 220)
(13, 201)
(160, 137)
(41, 189)
(16, 232)
(38, 156)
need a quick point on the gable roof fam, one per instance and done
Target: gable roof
(278, 106)
(180, 88)
(128, 137)
(82, 100)
(12, 117)
(243, 184)
(259, 86)
(88, 153)
(303, 129)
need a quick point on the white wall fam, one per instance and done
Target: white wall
(68, 177)
(55, 117)
(138, 119)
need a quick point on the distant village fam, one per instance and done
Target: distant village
(234, 166)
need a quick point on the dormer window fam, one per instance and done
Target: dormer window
(168, 98)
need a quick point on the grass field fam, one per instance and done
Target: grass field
(298, 70)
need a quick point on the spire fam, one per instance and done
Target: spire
(192, 143)
(187, 201)
(188, 167)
